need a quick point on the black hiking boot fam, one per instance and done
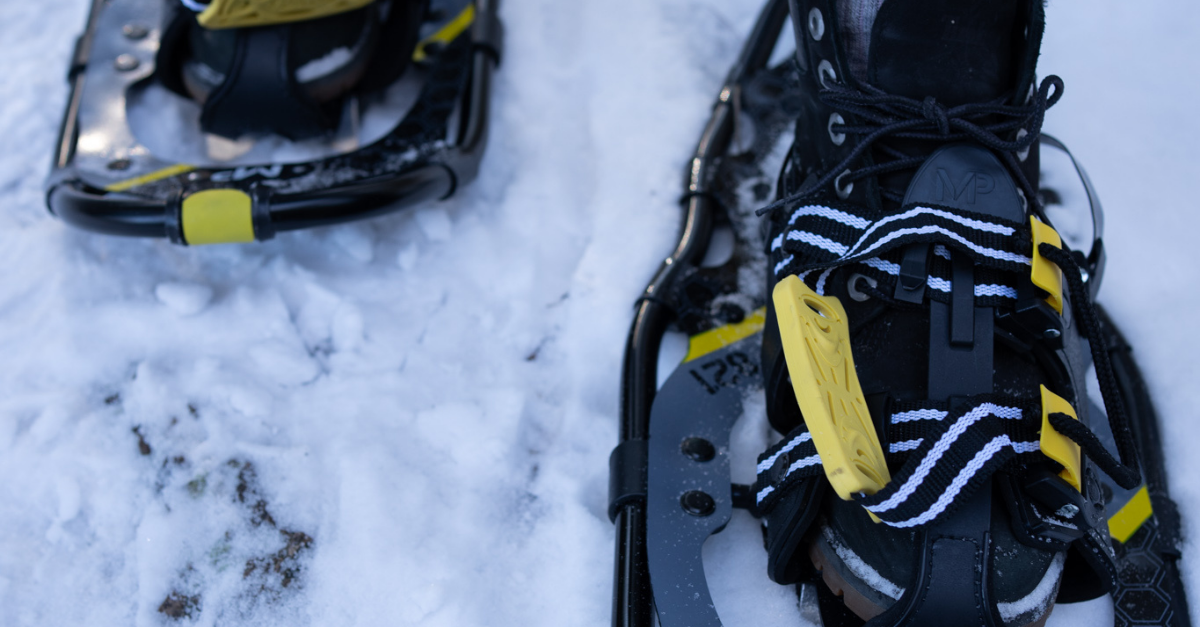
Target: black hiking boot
(925, 352)
(257, 68)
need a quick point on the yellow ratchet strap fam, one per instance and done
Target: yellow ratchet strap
(447, 33)
(816, 345)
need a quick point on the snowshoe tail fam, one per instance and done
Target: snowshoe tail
(105, 180)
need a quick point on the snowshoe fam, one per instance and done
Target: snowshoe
(957, 431)
(287, 115)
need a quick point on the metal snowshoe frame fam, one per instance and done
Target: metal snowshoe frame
(105, 180)
(670, 486)
(633, 597)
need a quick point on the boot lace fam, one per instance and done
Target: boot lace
(885, 115)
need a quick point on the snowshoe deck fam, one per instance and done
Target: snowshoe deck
(670, 485)
(104, 179)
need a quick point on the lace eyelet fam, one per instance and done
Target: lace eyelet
(852, 287)
(837, 138)
(825, 68)
(1023, 154)
(816, 24)
(843, 192)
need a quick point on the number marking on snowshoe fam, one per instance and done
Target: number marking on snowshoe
(729, 371)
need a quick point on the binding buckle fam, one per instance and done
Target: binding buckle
(1045, 274)
(1055, 445)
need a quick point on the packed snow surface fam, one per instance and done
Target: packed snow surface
(408, 421)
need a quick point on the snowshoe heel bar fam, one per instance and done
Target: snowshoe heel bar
(816, 345)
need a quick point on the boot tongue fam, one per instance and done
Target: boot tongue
(957, 51)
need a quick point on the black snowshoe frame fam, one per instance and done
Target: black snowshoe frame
(103, 179)
(670, 485)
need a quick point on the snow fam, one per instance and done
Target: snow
(407, 421)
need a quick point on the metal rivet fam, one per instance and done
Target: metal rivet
(816, 24)
(852, 287)
(119, 164)
(698, 449)
(135, 31)
(698, 503)
(837, 138)
(1067, 511)
(1052, 334)
(126, 63)
(824, 69)
(843, 192)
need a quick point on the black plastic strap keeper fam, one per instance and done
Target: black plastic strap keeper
(626, 475)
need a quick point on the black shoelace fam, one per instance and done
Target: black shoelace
(1125, 472)
(888, 115)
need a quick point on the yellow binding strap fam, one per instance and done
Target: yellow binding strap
(217, 216)
(702, 344)
(242, 13)
(447, 33)
(816, 345)
(1057, 446)
(1045, 274)
(1130, 517)
(145, 179)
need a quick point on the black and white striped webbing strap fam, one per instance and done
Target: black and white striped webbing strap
(955, 453)
(820, 238)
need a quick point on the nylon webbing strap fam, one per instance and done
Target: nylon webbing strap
(949, 455)
(820, 238)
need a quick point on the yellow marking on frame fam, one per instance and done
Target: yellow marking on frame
(1045, 274)
(144, 179)
(816, 344)
(447, 33)
(1057, 446)
(702, 344)
(242, 13)
(217, 216)
(1127, 520)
